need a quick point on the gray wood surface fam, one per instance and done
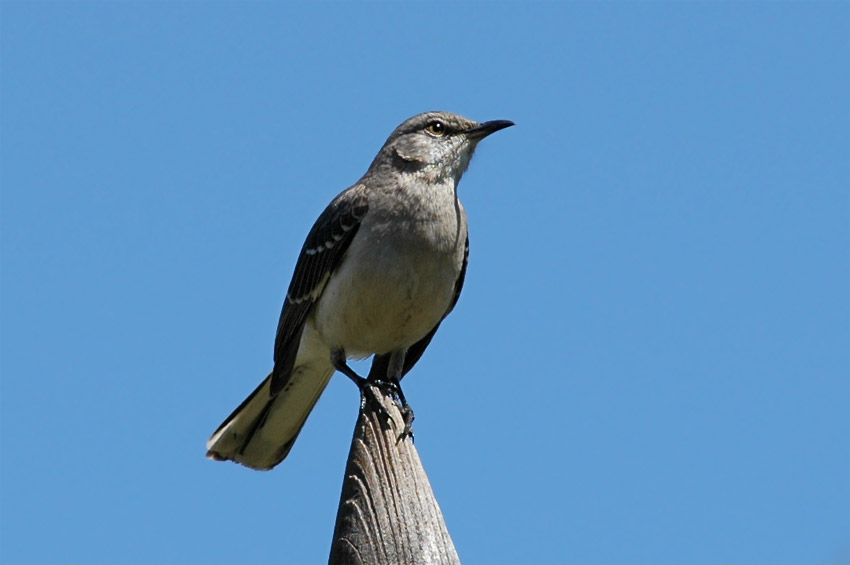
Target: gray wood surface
(387, 511)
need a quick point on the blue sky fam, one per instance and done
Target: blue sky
(649, 362)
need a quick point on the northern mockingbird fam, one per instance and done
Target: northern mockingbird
(380, 269)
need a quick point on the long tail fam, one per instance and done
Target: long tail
(261, 431)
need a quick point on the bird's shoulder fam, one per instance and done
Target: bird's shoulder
(327, 242)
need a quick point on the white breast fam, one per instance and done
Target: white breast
(397, 279)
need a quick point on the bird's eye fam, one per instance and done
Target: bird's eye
(436, 129)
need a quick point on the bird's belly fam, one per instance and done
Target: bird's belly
(380, 304)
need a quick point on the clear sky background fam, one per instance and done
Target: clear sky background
(649, 362)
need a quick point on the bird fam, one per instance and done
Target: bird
(380, 269)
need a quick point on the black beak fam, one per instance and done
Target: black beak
(483, 130)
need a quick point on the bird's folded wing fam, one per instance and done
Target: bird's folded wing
(323, 251)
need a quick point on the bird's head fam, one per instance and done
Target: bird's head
(435, 144)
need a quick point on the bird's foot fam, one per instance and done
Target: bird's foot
(407, 431)
(372, 393)
(389, 387)
(393, 389)
(366, 387)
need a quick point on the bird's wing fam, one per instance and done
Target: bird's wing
(380, 363)
(321, 254)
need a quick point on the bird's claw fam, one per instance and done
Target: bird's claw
(368, 393)
(394, 389)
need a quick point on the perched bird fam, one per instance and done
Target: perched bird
(380, 269)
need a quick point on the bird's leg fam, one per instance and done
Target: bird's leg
(395, 369)
(340, 363)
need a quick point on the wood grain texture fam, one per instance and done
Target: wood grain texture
(387, 511)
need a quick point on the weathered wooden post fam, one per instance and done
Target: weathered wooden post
(387, 511)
